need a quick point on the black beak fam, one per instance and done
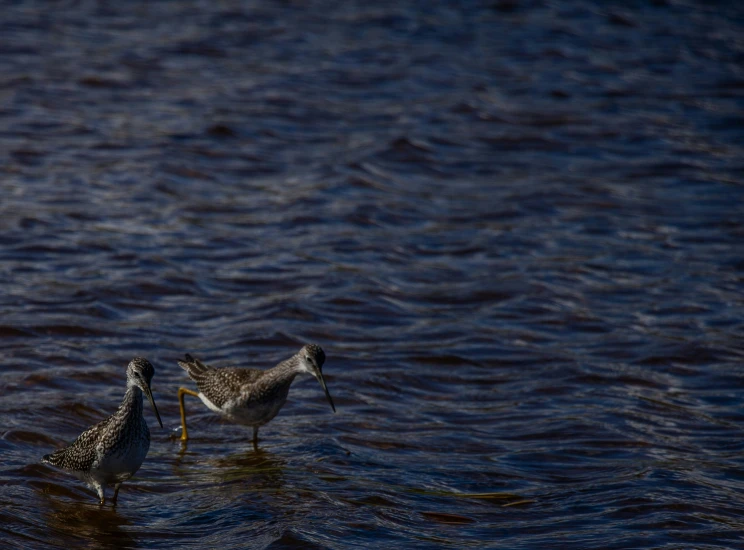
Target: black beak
(148, 393)
(325, 389)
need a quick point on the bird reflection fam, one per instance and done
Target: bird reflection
(259, 468)
(101, 527)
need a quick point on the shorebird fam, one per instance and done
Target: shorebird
(251, 397)
(114, 449)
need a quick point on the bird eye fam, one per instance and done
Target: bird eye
(307, 358)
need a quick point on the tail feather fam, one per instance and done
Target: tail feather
(53, 458)
(193, 366)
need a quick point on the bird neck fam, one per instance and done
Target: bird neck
(283, 373)
(290, 367)
(132, 401)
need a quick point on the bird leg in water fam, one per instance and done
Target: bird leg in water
(101, 495)
(181, 393)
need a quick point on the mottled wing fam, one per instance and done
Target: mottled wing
(223, 385)
(218, 385)
(81, 453)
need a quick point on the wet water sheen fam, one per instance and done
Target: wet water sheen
(516, 228)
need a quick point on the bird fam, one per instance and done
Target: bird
(251, 397)
(113, 450)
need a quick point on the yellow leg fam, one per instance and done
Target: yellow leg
(181, 393)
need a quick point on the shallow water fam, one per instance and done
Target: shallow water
(515, 228)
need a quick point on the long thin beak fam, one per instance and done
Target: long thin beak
(148, 393)
(325, 389)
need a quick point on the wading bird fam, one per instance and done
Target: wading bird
(251, 397)
(114, 449)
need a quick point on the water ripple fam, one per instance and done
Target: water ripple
(514, 227)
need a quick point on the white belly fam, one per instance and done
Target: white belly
(120, 466)
(257, 414)
(252, 414)
(211, 406)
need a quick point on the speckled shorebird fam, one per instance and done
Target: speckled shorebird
(114, 449)
(251, 397)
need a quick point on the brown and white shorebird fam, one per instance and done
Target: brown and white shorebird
(114, 449)
(251, 397)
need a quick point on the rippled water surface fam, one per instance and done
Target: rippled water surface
(515, 227)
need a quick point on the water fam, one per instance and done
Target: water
(515, 228)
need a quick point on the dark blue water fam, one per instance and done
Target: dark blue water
(515, 227)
